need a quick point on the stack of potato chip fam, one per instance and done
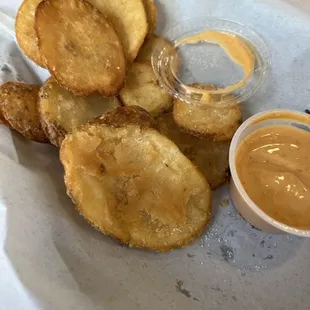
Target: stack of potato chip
(139, 166)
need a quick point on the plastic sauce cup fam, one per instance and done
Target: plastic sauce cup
(243, 203)
(206, 63)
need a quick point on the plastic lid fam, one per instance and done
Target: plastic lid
(207, 63)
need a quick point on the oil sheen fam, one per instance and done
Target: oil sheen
(273, 164)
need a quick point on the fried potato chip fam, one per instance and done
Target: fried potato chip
(219, 124)
(18, 104)
(134, 184)
(80, 47)
(148, 47)
(25, 32)
(61, 111)
(209, 156)
(127, 115)
(151, 13)
(142, 89)
(129, 20)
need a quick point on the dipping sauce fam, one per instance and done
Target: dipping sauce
(273, 165)
(235, 47)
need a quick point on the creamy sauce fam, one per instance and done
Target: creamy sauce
(273, 164)
(237, 50)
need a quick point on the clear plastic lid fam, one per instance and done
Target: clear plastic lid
(206, 62)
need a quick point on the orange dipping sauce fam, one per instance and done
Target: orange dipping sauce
(273, 165)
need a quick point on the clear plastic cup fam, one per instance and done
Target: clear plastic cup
(243, 203)
(207, 63)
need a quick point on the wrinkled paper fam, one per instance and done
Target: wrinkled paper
(51, 259)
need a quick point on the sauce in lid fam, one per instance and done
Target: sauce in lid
(228, 55)
(273, 165)
(237, 50)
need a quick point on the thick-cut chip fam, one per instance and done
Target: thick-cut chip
(25, 32)
(150, 44)
(142, 89)
(61, 111)
(219, 124)
(80, 47)
(151, 13)
(209, 156)
(129, 20)
(18, 104)
(134, 184)
(127, 115)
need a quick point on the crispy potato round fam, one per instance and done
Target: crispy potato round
(134, 184)
(209, 156)
(25, 32)
(218, 124)
(129, 20)
(61, 111)
(148, 47)
(151, 13)
(80, 47)
(142, 89)
(18, 104)
(127, 115)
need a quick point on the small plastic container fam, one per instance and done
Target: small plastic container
(243, 203)
(207, 63)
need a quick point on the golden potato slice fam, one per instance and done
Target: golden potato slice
(149, 46)
(142, 89)
(151, 13)
(61, 111)
(80, 47)
(18, 104)
(209, 156)
(127, 115)
(25, 33)
(129, 20)
(134, 184)
(219, 124)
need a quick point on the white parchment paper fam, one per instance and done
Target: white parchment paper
(51, 259)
